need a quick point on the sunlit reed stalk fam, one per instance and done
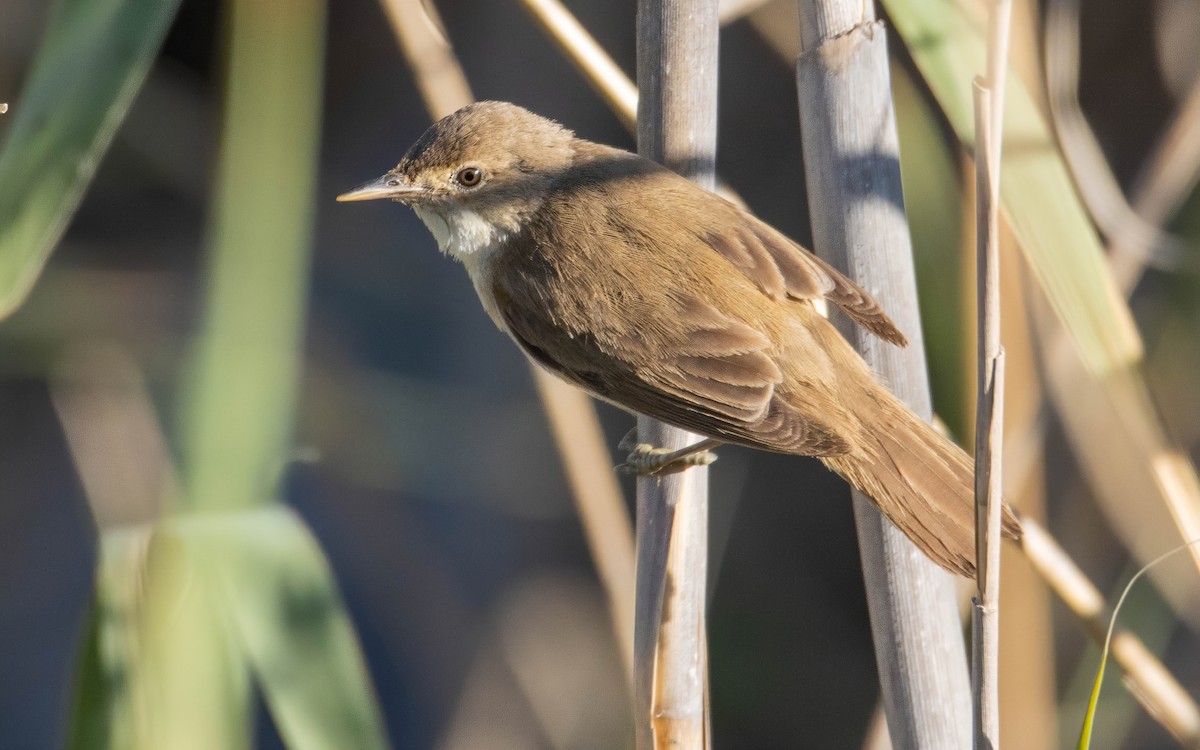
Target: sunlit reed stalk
(586, 53)
(989, 442)
(846, 116)
(989, 410)
(677, 126)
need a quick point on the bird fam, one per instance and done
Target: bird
(649, 292)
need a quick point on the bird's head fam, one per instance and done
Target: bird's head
(492, 158)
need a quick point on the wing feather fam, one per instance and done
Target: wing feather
(781, 268)
(727, 391)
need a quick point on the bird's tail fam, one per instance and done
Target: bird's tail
(920, 480)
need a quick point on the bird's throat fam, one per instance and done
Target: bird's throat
(462, 233)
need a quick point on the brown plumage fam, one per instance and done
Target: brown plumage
(631, 282)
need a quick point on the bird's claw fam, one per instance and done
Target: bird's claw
(645, 460)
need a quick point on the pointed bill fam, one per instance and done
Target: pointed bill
(388, 186)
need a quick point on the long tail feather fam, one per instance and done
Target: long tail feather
(921, 481)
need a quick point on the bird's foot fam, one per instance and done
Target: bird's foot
(645, 460)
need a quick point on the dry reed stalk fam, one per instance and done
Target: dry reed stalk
(435, 67)
(989, 428)
(589, 57)
(1142, 480)
(847, 118)
(677, 127)
(606, 525)
(989, 409)
(572, 416)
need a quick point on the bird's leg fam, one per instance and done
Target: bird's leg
(648, 461)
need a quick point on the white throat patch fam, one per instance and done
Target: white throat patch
(462, 233)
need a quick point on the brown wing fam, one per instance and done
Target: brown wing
(714, 377)
(781, 268)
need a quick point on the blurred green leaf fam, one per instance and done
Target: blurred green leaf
(133, 688)
(241, 397)
(272, 581)
(1060, 244)
(183, 607)
(205, 602)
(92, 710)
(92, 61)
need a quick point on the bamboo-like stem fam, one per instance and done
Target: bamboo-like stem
(989, 410)
(1147, 679)
(572, 416)
(851, 155)
(677, 126)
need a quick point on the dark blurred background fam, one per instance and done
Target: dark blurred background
(424, 464)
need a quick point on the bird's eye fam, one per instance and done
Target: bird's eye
(469, 176)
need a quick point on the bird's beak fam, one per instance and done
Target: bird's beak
(390, 185)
